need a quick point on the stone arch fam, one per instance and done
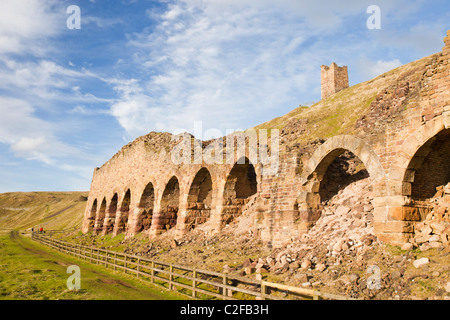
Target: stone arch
(91, 216)
(167, 216)
(308, 205)
(429, 168)
(240, 185)
(199, 199)
(146, 206)
(111, 215)
(335, 146)
(409, 154)
(100, 217)
(123, 214)
(421, 164)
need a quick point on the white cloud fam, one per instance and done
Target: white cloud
(28, 136)
(17, 121)
(32, 138)
(32, 149)
(214, 65)
(25, 24)
(234, 63)
(371, 69)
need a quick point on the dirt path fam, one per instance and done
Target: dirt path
(59, 212)
(95, 280)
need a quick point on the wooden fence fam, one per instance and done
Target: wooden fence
(194, 283)
(52, 232)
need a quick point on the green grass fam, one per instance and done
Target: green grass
(339, 113)
(31, 271)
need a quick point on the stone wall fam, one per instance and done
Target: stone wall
(333, 79)
(401, 143)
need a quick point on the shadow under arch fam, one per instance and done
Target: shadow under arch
(240, 185)
(111, 215)
(167, 216)
(199, 200)
(146, 206)
(123, 215)
(308, 206)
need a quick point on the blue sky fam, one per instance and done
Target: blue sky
(71, 98)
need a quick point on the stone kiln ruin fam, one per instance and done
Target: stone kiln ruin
(401, 142)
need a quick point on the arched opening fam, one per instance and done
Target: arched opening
(100, 217)
(339, 185)
(344, 169)
(428, 170)
(124, 212)
(169, 205)
(241, 184)
(111, 217)
(199, 200)
(91, 217)
(146, 209)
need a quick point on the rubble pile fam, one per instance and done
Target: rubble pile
(343, 230)
(434, 231)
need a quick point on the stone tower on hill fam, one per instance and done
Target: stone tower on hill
(334, 79)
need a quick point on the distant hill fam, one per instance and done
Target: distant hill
(50, 210)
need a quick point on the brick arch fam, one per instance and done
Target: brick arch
(142, 207)
(401, 211)
(199, 199)
(100, 216)
(308, 206)
(241, 183)
(335, 146)
(110, 218)
(123, 212)
(146, 206)
(168, 205)
(90, 216)
(399, 174)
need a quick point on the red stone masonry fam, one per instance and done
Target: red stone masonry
(406, 155)
(333, 79)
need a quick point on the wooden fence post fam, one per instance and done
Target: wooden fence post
(194, 284)
(138, 267)
(263, 291)
(170, 277)
(224, 290)
(152, 272)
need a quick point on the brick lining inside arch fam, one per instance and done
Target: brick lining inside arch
(199, 200)
(122, 217)
(111, 215)
(241, 183)
(146, 206)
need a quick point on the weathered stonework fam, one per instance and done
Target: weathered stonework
(403, 140)
(334, 79)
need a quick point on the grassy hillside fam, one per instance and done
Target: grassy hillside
(339, 113)
(31, 271)
(50, 210)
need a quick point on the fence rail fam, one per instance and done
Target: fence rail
(52, 232)
(194, 283)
